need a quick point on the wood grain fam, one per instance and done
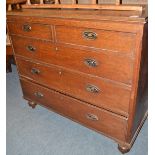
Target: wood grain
(70, 16)
(110, 96)
(117, 86)
(37, 30)
(114, 41)
(110, 65)
(107, 123)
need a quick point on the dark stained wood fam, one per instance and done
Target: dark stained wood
(58, 78)
(109, 65)
(8, 63)
(36, 30)
(123, 149)
(32, 104)
(141, 96)
(9, 57)
(108, 123)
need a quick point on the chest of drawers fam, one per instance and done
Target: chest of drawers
(90, 66)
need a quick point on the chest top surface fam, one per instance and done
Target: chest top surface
(102, 15)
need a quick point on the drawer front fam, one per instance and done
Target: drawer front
(102, 64)
(33, 48)
(90, 116)
(31, 30)
(88, 88)
(109, 40)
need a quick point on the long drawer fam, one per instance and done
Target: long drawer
(31, 30)
(103, 64)
(95, 118)
(110, 40)
(91, 89)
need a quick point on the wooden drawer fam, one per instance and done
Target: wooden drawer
(102, 64)
(108, 40)
(31, 30)
(91, 89)
(90, 116)
(33, 48)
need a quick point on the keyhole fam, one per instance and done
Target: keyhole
(56, 48)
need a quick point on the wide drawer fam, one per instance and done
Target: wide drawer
(31, 30)
(103, 64)
(91, 89)
(103, 121)
(109, 40)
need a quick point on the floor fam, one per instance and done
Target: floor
(42, 132)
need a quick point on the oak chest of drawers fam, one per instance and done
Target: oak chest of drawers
(87, 66)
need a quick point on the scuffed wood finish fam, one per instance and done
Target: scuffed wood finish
(110, 88)
(110, 96)
(107, 123)
(110, 65)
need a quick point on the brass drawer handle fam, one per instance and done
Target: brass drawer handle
(38, 94)
(35, 71)
(90, 35)
(26, 28)
(91, 117)
(30, 48)
(92, 88)
(91, 62)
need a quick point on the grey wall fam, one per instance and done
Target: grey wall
(109, 1)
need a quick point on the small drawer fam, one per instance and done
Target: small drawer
(33, 48)
(102, 64)
(101, 120)
(109, 40)
(91, 89)
(31, 30)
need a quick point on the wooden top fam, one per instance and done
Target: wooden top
(131, 16)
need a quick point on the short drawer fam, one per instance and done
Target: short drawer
(31, 30)
(108, 40)
(91, 89)
(103, 121)
(102, 64)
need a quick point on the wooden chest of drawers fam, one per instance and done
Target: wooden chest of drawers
(91, 68)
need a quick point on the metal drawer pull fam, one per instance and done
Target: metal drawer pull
(30, 48)
(91, 117)
(91, 62)
(35, 71)
(26, 28)
(90, 35)
(92, 88)
(38, 94)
